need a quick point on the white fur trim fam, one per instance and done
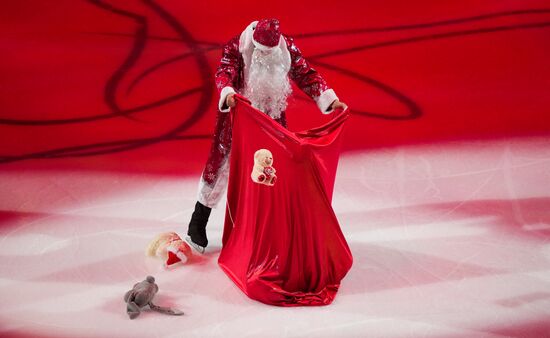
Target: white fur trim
(173, 249)
(181, 256)
(178, 253)
(223, 96)
(286, 53)
(246, 46)
(245, 40)
(325, 100)
(210, 195)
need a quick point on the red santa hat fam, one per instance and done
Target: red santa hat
(266, 34)
(179, 252)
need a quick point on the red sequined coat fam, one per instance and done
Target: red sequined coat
(230, 79)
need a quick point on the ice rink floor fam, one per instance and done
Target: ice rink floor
(449, 240)
(107, 108)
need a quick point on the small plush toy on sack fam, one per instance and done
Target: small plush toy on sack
(141, 295)
(263, 172)
(170, 247)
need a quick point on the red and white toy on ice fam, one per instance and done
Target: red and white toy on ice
(170, 247)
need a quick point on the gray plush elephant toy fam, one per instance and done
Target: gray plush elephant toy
(141, 295)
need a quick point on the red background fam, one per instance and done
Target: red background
(128, 85)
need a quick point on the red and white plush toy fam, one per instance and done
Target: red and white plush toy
(170, 247)
(263, 171)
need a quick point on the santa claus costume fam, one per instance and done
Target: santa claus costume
(256, 64)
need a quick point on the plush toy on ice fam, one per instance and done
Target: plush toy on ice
(170, 247)
(263, 171)
(142, 295)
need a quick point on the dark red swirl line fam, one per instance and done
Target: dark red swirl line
(429, 37)
(164, 63)
(100, 148)
(128, 111)
(206, 89)
(140, 41)
(474, 18)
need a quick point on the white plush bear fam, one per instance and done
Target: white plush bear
(263, 172)
(170, 247)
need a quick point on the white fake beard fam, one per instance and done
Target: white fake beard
(267, 86)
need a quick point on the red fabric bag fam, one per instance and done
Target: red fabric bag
(282, 244)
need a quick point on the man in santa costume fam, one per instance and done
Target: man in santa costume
(257, 64)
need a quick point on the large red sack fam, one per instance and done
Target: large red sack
(282, 244)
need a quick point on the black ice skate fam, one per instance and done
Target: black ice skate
(197, 228)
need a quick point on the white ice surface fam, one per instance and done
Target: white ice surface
(449, 240)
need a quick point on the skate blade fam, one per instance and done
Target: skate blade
(197, 248)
